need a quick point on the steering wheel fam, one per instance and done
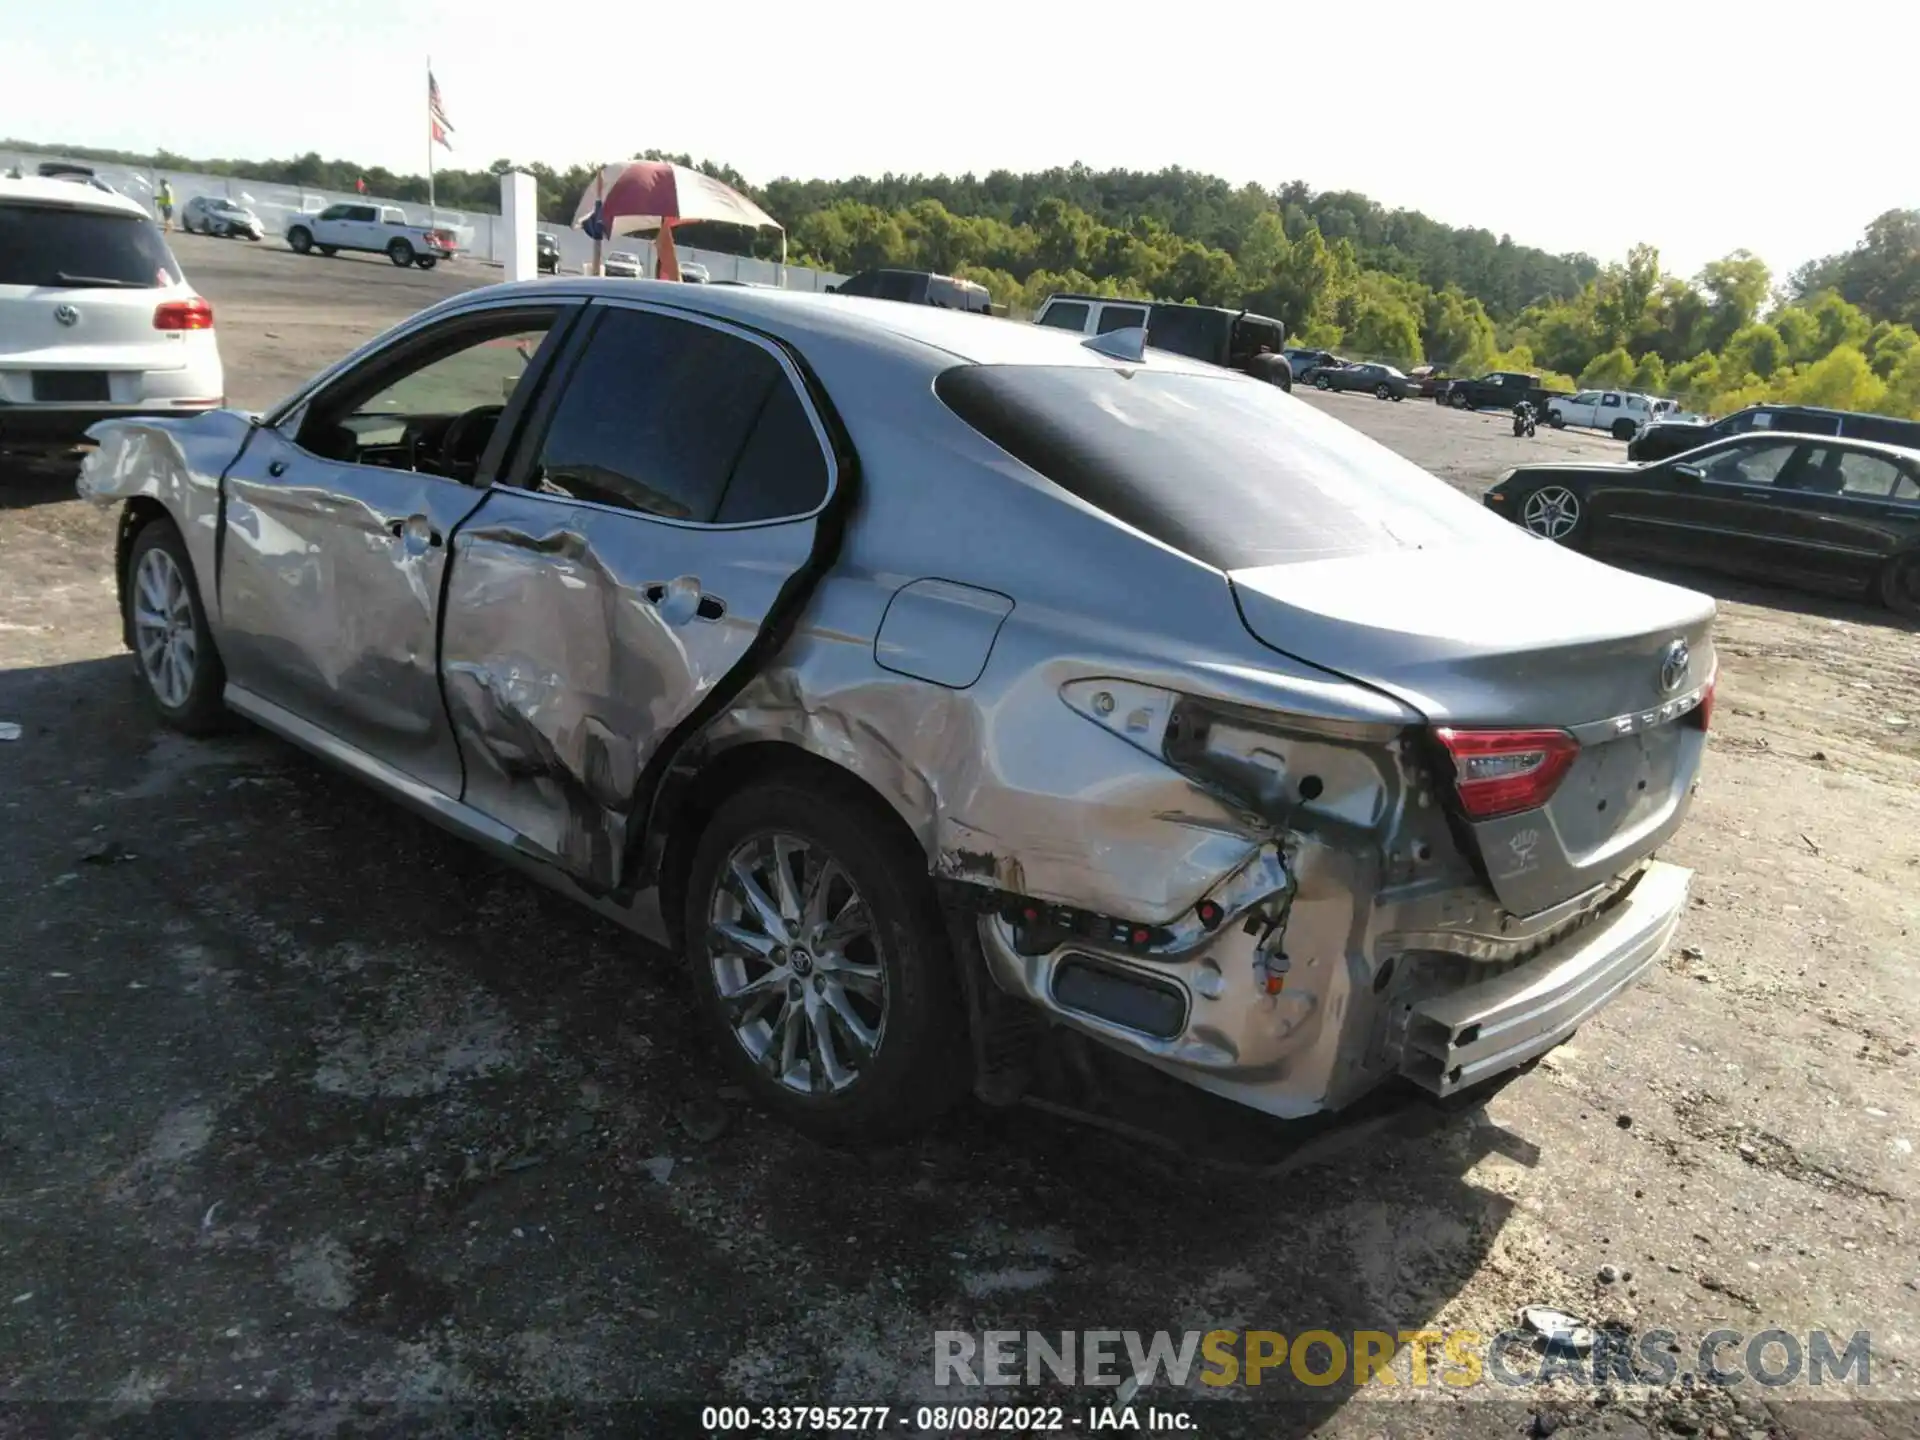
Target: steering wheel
(459, 454)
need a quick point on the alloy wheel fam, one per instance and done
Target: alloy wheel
(163, 629)
(797, 963)
(1553, 512)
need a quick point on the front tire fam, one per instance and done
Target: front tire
(1556, 421)
(300, 240)
(400, 253)
(821, 961)
(1899, 585)
(427, 262)
(1556, 513)
(1321, 382)
(1383, 391)
(1459, 402)
(174, 649)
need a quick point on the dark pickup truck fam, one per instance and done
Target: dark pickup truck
(1503, 389)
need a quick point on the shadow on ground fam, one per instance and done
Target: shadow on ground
(318, 1102)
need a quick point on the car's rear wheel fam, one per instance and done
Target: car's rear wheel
(1383, 391)
(1460, 402)
(1623, 429)
(821, 961)
(427, 262)
(300, 240)
(400, 253)
(1321, 382)
(1899, 585)
(329, 251)
(175, 651)
(1553, 512)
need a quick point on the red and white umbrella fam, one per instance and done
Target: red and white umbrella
(638, 196)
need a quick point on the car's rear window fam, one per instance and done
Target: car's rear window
(1233, 472)
(54, 246)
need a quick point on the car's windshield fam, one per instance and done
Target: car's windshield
(1233, 472)
(54, 246)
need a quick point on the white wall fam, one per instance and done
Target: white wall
(482, 235)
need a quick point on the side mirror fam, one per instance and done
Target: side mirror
(1689, 472)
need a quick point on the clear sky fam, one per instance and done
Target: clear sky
(1696, 125)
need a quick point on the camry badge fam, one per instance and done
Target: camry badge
(1673, 667)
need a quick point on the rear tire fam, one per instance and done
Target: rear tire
(1321, 382)
(400, 253)
(329, 251)
(864, 970)
(300, 240)
(1899, 585)
(427, 262)
(1459, 402)
(1623, 429)
(174, 651)
(1384, 391)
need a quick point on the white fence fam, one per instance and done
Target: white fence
(482, 234)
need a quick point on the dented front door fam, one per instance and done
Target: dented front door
(330, 591)
(665, 524)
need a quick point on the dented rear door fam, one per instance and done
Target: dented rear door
(666, 519)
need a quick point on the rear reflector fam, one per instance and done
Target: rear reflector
(1502, 772)
(194, 314)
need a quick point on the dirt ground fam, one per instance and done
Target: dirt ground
(301, 1100)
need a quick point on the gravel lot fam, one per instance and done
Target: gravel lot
(302, 1100)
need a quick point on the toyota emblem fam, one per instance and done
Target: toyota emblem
(1673, 667)
(66, 315)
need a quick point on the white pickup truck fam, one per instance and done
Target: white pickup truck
(382, 229)
(1621, 413)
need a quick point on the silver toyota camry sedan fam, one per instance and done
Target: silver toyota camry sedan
(934, 682)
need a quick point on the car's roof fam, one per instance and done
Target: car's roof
(41, 190)
(797, 314)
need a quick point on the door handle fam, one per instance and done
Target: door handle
(681, 600)
(416, 531)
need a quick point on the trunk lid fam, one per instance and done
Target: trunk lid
(1519, 634)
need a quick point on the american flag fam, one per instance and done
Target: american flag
(437, 123)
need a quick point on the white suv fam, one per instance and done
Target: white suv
(96, 319)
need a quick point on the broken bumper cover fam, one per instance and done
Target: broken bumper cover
(1212, 1012)
(1457, 1040)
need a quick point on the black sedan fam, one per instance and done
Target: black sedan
(1816, 510)
(547, 253)
(1381, 380)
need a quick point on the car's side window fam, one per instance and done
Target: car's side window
(681, 420)
(1609, 402)
(332, 212)
(1749, 464)
(1066, 317)
(1869, 475)
(1120, 317)
(433, 407)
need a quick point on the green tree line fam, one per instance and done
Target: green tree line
(1341, 270)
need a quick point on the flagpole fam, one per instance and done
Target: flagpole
(433, 214)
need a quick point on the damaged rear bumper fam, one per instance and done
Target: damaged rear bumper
(1313, 1028)
(1457, 1040)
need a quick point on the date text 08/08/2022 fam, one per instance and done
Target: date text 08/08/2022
(940, 1419)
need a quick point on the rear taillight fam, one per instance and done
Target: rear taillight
(194, 314)
(1703, 712)
(1502, 772)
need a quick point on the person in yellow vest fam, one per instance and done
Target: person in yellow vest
(163, 197)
